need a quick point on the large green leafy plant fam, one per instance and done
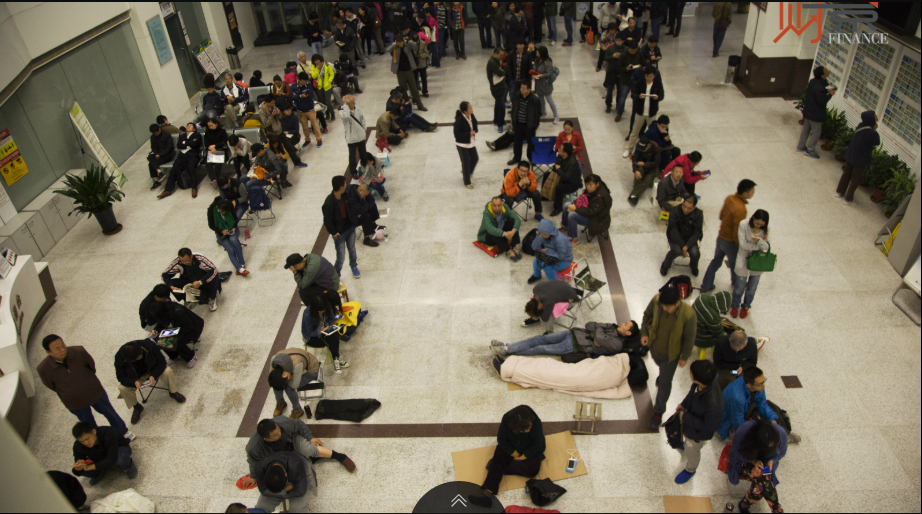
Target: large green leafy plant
(883, 165)
(92, 193)
(901, 184)
(835, 123)
(840, 144)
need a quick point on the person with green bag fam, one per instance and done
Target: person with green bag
(753, 237)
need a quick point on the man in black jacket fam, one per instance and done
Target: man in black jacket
(139, 364)
(186, 163)
(517, 27)
(196, 270)
(161, 293)
(340, 222)
(104, 448)
(284, 476)
(519, 450)
(733, 355)
(570, 177)
(190, 325)
(817, 95)
(213, 102)
(858, 155)
(518, 67)
(161, 152)
(646, 96)
(345, 38)
(526, 115)
(685, 230)
(701, 413)
(363, 205)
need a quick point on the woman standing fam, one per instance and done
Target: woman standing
(753, 236)
(223, 220)
(757, 449)
(465, 130)
(573, 137)
(215, 141)
(317, 317)
(858, 156)
(544, 65)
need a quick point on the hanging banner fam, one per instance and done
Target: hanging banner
(80, 121)
(12, 167)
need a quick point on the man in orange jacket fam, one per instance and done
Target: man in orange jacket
(520, 184)
(732, 213)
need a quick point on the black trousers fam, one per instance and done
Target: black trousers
(214, 170)
(522, 134)
(422, 76)
(369, 219)
(503, 464)
(356, 154)
(675, 17)
(331, 342)
(563, 189)
(317, 290)
(154, 163)
(241, 165)
(394, 140)
(675, 251)
(181, 350)
(209, 289)
(186, 165)
(504, 141)
(534, 195)
(280, 139)
(501, 241)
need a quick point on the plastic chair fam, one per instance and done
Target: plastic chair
(663, 215)
(544, 157)
(527, 201)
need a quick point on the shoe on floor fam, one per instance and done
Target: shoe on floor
(617, 118)
(191, 364)
(155, 185)
(499, 351)
(683, 477)
(497, 343)
(132, 471)
(422, 108)
(325, 130)
(538, 217)
(348, 464)
(178, 397)
(663, 271)
(286, 184)
(130, 435)
(848, 202)
(95, 480)
(532, 279)
(470, 186)
(480, 500)
(279, 409)
(607, 109)
(164, 194)
(811, 154)
(744, 313)
(632, 200)
(195, 193)
(497, 365)
(734, 312)
(626, 154)
(136, 413)
(490, 144)
(301, 165)
(511, 162)
(367, 241)
(530, 322)
(793, 438)
(319, 144)
(213, 304)
(656, 421)
(694, 272)
(708, 290)
(296, 414)
(556, 212)
(356, 273)
(574, 241)
(556, 120)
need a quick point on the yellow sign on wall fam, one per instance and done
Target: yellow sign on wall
(12, 167)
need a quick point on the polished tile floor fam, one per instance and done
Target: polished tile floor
(436, 302)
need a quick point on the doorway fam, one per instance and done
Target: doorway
(188, 69)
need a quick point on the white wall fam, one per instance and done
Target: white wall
(15, 54)
(218, 30)
(165, 80)
(247, 27)
(766, 30)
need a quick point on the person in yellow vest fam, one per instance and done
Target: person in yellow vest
(328, 92)
(669, 329)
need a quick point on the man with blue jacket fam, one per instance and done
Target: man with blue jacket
(659, 133)
(739, 397)
(302, 98)
(553, 252)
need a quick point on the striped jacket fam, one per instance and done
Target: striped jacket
(708, 309)
(197, 260)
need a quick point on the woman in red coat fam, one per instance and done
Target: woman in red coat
(690, 176)
(571, 136)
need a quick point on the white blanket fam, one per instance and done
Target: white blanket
(603, 377)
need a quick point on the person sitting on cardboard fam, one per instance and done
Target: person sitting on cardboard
(519, 451)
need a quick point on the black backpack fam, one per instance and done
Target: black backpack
(682, 283)
(638, 375)
(543, 492)
(673, 429)
(529, 239)
(783, 419)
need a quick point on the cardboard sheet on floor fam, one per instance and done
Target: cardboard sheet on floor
(471, 465)
(516, 387)
(687, 504)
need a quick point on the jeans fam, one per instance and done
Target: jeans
(231, 244)
(292, 394)
(809, 136)
(694, 253)
(719, 33)
(654, 26)
(316, 49)
(549, 271)
(417, 121)
(469, 160)
(552, 28)
(667, 370)
(124, 463)
(499, 107)
(723, 248)
(241, 209)
(443, 38)
(747, 285)
(551, 344)
(572, 220)
(104, 407)
(623, 90)
(486, 36)
(379, 187)
(241, 165)
(499, 37)
(346, 240)
(568, 24)
(550, 100)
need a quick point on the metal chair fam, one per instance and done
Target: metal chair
(314, 389)
(145, 398)
(527, 201)
(544, 157)
(587, 285)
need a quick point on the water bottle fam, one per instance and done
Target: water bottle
(385, 237)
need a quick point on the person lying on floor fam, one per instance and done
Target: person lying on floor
(595, 339)
(519, 451)
(602, 377)
(549, 301)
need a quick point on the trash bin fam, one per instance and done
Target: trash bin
(232, 57)
(732, 64)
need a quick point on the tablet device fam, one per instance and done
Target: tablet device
(170, 332)
(332, 329)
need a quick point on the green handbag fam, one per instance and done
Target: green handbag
(762, 262)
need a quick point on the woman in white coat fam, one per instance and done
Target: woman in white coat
(753, 237)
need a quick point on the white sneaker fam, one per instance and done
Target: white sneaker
(130, 435)
(213, 304)
(626, 153)
(552, 42)
(556, 120)
(342, 362)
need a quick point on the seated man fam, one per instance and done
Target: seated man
(708, 310)
(161, 152)
(407, 117)
(646, 165)
(284, 476)
(235, 191)
(595, 339)
(161, 293)
(543, 305)
(186, 163)
(671, 190)
(240, 150)
(190, 325)
(519, 184)
(291, 127)
(519, 451)
(685, 230)
(387, 127)
(365, 209)
(236, 97)
(281, 434)
(743, 395)
(733, 355)
(213, 103)
(140, 364)
(266, 159)
(502, 142)
(194, 270)
(346, 73)
(292, 368)
(314, 275)
(166, 126)
(500, 227)
(571, 178)
(659, 133)
(553, 252)
(104, 448)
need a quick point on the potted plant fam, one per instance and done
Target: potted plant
(901, 184)
(799, 104)
(93, 195)
(881, 169)
(835, 123)
(840, 145)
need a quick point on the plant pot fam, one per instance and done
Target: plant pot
(878, 196)
(889, 213)
(801, 119)
(110, 226)
(828, 145)
(840, 158)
